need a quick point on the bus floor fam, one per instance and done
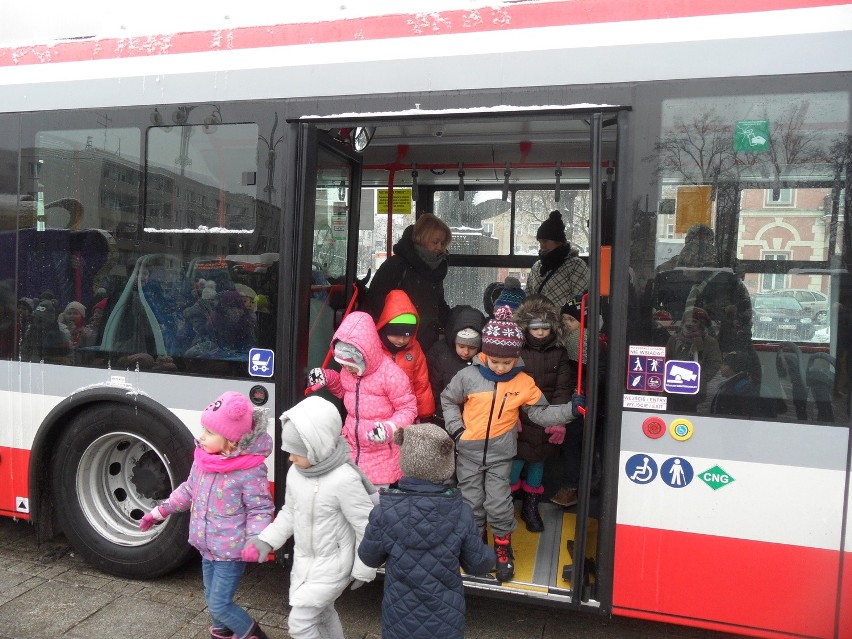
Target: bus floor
(543, 561)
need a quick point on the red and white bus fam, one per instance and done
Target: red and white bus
(237, 174)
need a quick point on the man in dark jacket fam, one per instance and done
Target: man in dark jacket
(425, 532)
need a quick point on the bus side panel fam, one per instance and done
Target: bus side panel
(735, 581)
(740, 522)
(14, 484)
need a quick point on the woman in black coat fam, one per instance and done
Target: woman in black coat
(418, 266)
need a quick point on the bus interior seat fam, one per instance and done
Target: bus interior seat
(124, 332)
(789, 365)
(819, 378)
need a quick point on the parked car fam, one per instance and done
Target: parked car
(814, 302)
(782, 318)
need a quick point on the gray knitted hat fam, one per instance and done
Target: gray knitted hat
(426, 452)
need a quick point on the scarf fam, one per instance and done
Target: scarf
(572, 345)
(428, 257)
(487, 373)
(338, 457)
(554, 259)
(686, 339)
(215, 463)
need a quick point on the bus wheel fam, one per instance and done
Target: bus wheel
(112, 465)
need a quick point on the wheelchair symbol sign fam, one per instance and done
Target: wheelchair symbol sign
(641, 469)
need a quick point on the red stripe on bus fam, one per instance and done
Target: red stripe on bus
(14, 480)
(844, 626)
(484, 19)
(699, 580)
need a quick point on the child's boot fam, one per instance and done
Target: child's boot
(505, 558)
(220, 632)
(255, 632)
(529, 511)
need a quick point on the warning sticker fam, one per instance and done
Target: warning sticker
(645, 366)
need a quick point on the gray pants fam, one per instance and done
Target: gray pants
(314, 623)
(485, 488)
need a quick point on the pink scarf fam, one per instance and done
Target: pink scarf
(215, 463)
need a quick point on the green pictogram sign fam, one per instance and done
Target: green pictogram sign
(751, 136)
(716, 478)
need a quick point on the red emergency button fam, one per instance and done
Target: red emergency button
(654, 427)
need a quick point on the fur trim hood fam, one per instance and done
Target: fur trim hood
(538, 306)
(257, 441)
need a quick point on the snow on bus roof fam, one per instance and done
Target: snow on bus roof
(502, 108)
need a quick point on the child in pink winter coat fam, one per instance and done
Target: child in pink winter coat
(227, 492)
(376, 394)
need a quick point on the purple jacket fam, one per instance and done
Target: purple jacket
(227, 507)
(381, 394)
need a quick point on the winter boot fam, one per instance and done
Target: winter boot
(529, 511)
(505, 558)
(255, 632)
(220, 632)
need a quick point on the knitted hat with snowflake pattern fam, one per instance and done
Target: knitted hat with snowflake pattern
(501, 337)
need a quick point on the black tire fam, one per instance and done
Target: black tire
(112, 465)
(820, 317)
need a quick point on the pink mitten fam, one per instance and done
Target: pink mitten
(255, 551)
(557, 433)
(153, 517)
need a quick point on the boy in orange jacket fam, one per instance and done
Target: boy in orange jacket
(481, 408)
(397, 328)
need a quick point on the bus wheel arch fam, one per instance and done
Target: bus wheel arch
(110, 461)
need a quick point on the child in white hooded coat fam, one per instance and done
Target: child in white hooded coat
(327, 503)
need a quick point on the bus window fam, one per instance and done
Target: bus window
(745, 280)
(486, 224)
(149, 247)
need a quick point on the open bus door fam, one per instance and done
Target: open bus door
(318, 257)
(518, 166)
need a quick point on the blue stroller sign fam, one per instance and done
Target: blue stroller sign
(261, 362)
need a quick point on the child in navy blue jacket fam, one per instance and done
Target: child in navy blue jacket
(425, 532)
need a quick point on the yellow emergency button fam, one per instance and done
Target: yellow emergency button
(681, 429)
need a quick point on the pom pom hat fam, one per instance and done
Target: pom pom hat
(553, 228)
(230, 416)
(512, 295)
(501, 337)
(425, 452)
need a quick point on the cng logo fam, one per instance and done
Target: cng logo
(716, 478)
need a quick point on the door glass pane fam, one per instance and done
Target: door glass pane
(330, 241)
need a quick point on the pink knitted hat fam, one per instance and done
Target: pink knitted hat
(229, 416)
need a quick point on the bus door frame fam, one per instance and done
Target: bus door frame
(305, 141)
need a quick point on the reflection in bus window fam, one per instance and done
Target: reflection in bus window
(190, 289)
(752, 236)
